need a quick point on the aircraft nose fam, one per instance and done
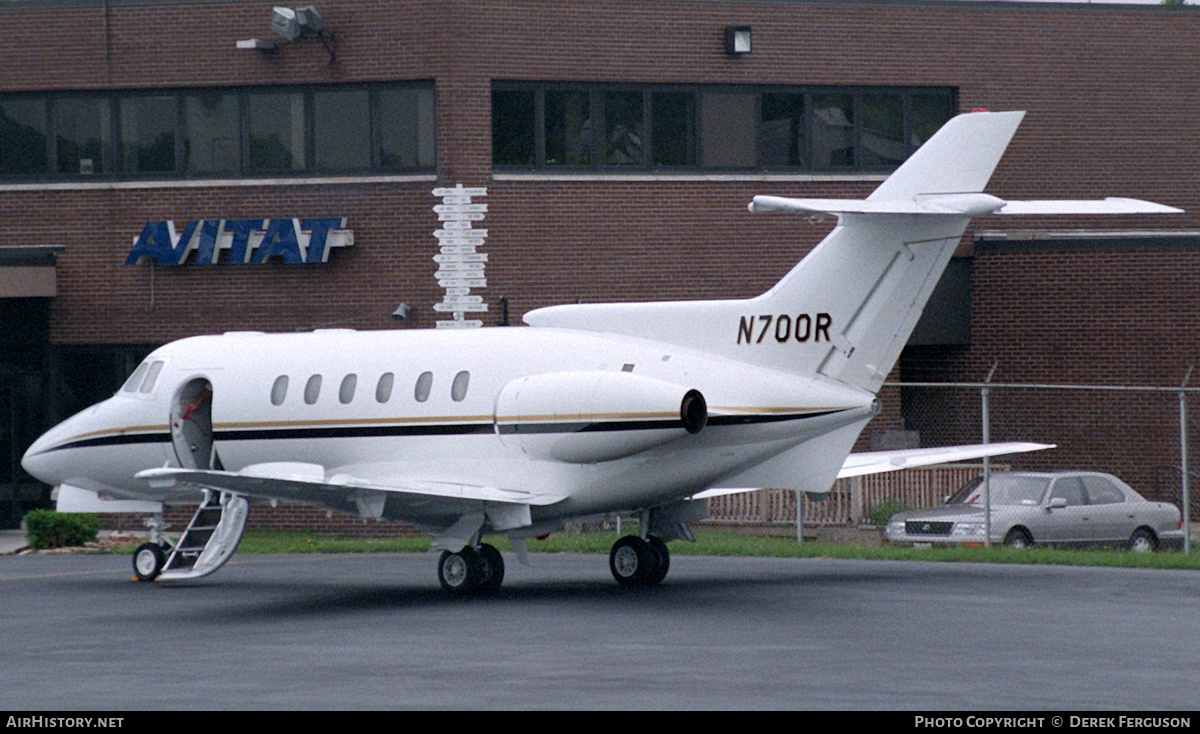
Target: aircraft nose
(40, 459)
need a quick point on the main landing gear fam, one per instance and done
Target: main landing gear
(471, 571)
(637, 562)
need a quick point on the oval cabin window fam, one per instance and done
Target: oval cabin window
(279, 390)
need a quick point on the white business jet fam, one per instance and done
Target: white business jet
(644, 408)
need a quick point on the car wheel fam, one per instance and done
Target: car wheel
(1018, 538)
(1143, 541)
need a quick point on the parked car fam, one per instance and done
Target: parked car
(1065, 508)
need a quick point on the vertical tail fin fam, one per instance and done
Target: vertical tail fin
(870, 278)
(847, 309)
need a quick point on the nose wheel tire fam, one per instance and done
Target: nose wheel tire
(148, 561)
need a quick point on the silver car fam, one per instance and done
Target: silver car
(1068, 508)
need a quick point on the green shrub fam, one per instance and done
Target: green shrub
(882, 512)
(49, 529)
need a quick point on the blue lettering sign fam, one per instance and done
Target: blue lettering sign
(245, 241)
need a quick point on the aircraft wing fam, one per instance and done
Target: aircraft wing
(423, 500)
(877, 462)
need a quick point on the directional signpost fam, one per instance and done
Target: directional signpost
(460, 267)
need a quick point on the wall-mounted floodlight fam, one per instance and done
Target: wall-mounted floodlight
(401, 312)
(292, 25)
(284, 23)
(737, 40)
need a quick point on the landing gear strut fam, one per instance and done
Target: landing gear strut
(637, 562)
(471, 571)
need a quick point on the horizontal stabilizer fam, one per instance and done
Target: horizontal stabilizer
(877, 462)
(973, 205)
(1111, 205)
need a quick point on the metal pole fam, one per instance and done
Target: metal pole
(1183, 464)
(987, 464)
(799, 516)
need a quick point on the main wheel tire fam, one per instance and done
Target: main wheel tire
(1143, 541)
(663, 562)
(1018, 538)
(632, 561)
(148, 561)
(492, 569)
(461, 572)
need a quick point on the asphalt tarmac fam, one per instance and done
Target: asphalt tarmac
(376, 632)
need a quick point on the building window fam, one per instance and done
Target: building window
(341, 130)
(405, 120)
(275, 134)
(147, 136)
(547, 125)
(249, 131)
(83, 135)
(211, 141)
(23, 136)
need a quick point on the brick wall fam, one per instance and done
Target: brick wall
(1110, 93)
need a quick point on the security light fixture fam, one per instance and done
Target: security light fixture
(737, 40)
(293, 25)
(285, 23)
(401, 312)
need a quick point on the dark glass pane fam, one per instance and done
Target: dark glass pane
(276, 131)
(881, 133)
(781, 130)
(406, 128)
(568, 128)
(341, 130)
(673, 116)
(148, 134)
(727, 125)
(83, 131)
(23, 136)
(832, 130)
(928, 113)
(624, 137)
(210, 143)
(513, 127)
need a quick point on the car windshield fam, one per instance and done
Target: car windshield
(1007, 489)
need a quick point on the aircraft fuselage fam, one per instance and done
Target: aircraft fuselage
(383, 405)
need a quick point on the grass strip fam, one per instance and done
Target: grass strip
(718, 543)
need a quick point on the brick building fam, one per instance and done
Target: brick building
(619, 143)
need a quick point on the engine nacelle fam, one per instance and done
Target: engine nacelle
(587, 417)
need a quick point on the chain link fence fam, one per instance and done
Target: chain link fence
(1140, 434)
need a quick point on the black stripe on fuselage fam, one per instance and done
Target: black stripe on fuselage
(445, 429)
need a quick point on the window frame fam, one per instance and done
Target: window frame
(111, 164)
(698, 142)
